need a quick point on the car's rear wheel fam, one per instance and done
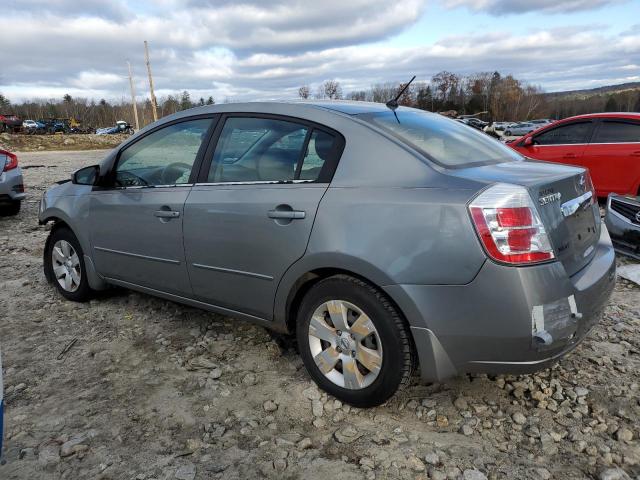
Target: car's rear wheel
(64, 265)
(11, 209)
(353, 341)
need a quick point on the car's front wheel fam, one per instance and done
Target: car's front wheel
(64, 265)
(353, 341)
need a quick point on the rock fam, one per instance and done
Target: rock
(415, 464)
(442, 421)
(581, 391)
(250, 379)
(624, 435)
(543, 473)
(270, 406)
(186, 472)
(49, 455)
(466, 429)
(347, 434)
(216, 373)
(67, 448)
(432, 458)
(317, 408)
(461, 404)
(367, 463)
(473, 475)
(280, 464)
(519, 418)
(614, 474)
(311, 393)
(305, 444)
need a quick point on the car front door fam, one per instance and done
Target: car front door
(613, 157)
(136, 219)
(250, 215)
(562, 144)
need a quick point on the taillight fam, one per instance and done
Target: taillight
(509, 225)
(11, 162)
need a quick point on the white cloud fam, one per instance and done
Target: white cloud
(267, 49)
(504, 7)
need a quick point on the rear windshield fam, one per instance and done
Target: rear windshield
(448, 143)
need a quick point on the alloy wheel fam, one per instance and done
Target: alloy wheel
(345, 344)
(66, 266)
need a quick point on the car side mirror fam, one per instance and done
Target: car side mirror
(528, 142)
(86, 176)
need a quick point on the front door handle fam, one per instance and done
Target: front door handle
(570, 155)
(286, 214)
(636, 154)
(166, 214)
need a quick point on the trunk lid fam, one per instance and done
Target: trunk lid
(564, 202)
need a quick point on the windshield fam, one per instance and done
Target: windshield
(448, 143)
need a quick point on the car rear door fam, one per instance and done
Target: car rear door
(250, 215)
(613, 156)
(564, 143)
(136, 220)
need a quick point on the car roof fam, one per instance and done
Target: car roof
(631, 115)
(348, 107)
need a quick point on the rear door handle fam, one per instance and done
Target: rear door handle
(636, 154)
(288, 214)
(570, 155)
(166, 214)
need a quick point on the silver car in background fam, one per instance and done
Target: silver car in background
(11, 184)
(384, 238)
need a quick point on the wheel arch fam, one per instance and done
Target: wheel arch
(59, 221)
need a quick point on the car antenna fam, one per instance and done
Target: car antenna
(393, 104)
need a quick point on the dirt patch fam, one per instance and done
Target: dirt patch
(35, 143)
(155, 390)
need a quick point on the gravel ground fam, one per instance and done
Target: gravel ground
(155, 390)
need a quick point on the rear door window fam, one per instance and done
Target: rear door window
(572, 134)
(617, 132)
(269, 150)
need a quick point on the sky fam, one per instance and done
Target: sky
(266, 49)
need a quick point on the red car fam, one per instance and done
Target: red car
(608, 144)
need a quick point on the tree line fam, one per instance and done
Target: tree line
(490, 95)
(100, 113)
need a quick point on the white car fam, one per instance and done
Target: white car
(30, 124)
(519, 129)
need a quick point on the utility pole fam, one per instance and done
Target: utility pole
(154, 104)
(133, 98)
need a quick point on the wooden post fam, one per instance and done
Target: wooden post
(133, 98)
(154, 104)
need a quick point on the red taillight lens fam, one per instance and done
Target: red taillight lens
(11, 162)
(509, 226)
(514, 217)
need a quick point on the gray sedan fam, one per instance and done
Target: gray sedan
(11, 184)
(384, 238)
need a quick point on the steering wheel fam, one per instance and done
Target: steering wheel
(125, 178)
(173, 171)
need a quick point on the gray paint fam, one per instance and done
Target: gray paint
(389, 216)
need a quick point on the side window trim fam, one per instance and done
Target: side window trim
(328, 169)
(215, 117)
(588, 137)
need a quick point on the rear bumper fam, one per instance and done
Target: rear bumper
(507, 320)
(11, 186)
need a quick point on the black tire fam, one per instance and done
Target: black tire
(83, 292)
(398, 353)
(11, 209)
(507, 133)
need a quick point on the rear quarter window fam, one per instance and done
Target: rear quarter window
(446, 142)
